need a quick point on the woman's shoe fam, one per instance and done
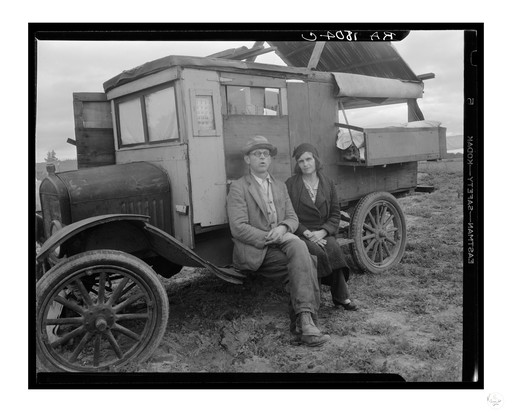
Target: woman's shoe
(346, 306)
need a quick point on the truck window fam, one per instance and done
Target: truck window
(130, 122)
(147, 117)
(259, 101)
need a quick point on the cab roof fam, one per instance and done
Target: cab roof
(212, 63)
(365, 74)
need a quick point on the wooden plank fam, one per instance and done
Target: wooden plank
(348, 126)
(86, 160)
(353, 183)
(442, 142)
(298, 109)
(399, 129)
(94, 147)
(96, 115)
(256, 44)
(315, 55)
(228, 53)
(343, 162)
(94, 138)
(284, 101)
(394, 145)
(243, 53)
(408, 158)
(94, 133)
(323, 114)
(87, 97)
(283, 57)
(236, 79)
(426, 76)
(252, 54)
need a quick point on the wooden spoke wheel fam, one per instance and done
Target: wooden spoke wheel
(97, 311)
(379, 232)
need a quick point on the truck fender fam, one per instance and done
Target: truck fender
(161, 242)
(74, 229)
(175, 251)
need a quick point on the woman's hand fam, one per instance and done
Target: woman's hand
(316, 236)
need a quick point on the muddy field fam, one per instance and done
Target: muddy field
(409, 322)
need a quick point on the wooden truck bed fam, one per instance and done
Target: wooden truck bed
(389, 145)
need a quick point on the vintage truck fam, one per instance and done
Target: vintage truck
(156, 153)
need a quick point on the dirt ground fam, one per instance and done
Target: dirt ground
(409, 322)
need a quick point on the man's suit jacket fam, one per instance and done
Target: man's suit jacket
(248, 219)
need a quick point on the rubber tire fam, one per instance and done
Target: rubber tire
(364, 206)
(65, 270)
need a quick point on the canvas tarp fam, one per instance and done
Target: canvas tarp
(356, 85)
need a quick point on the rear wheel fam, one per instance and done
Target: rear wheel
(97, 311)
(379, 232)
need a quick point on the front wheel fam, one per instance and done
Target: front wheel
(379, 232)
(97, 311)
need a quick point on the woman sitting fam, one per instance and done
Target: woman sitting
(315, 201)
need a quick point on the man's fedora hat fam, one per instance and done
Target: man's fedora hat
(259, 142)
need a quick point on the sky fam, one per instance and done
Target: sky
(64, 67)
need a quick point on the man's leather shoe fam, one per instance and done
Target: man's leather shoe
(313, 341)
(306, 325)
(309, 333)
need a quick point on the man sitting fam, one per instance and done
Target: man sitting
(262, 222)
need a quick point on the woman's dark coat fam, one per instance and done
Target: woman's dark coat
(323, 214)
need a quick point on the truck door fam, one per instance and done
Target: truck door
(94, 132)
(206, 148)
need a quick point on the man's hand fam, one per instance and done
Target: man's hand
(275, 235)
